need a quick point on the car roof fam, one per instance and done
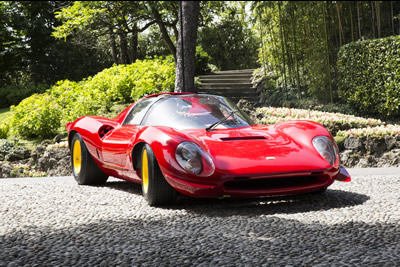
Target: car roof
(169, 94)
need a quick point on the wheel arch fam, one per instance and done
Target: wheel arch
(136, 155)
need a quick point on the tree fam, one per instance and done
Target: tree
(186, 46)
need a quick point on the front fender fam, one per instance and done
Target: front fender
(163, 141)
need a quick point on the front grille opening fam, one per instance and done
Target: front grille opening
(272, 183)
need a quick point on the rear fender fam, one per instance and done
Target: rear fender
(91, 129)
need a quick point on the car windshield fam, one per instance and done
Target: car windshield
(196, 112)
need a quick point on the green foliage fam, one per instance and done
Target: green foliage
(370, 75)
(41, 115)
(230, 44)
(12, 94)
(37, 115)
(4, 129)
(130, 82)
(202, 61)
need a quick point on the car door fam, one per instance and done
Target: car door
(118, 143)
(117, 146)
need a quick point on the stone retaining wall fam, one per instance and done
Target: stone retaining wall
(371, 152)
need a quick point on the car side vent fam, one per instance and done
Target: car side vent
(243, 138)
(104, 130)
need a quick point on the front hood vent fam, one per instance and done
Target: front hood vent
(241, 138)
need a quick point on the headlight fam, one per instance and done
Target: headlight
(194, 159)
(327, 149)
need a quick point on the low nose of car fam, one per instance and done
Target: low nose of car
(260, 153)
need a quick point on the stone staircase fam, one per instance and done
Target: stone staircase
(234, 84)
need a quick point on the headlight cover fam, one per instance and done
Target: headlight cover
(327, 149)
(194, 159)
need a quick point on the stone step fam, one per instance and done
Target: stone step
(227, 90)
(232, 80)
(245, 71)
(230, 94)
(226, 85)
(226, 76)
(234, 84)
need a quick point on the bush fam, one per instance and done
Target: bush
(202, 61)
(130, 82)
(76, 100)
(4, 129)
(36, 116)
(369, 75)
(41, 115)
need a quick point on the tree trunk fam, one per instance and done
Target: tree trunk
(164, 31)
(134, 44)
(373, 19)
(391, 13)
(378, 18)
(186, 46)
(113, 45)
(123, 46)
(351, 22)
(359, 20)
(341, 33)
(283, 49)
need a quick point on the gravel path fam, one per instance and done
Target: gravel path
(55, 222)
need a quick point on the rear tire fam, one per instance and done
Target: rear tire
(84, 169)
(156, 190)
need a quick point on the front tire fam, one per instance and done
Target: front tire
(84, 169)
(155, 188)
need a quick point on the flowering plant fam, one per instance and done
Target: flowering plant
(272, 115)
(377, 131)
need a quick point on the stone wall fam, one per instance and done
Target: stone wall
(371, 152)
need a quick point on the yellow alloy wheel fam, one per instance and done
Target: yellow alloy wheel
(77, 157)
(145, 172)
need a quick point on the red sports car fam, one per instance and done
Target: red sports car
(202, 146)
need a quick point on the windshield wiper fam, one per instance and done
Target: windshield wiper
(212, 126)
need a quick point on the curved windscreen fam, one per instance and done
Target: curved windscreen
(196, 112)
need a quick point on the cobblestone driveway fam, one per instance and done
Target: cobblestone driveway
(54, 222)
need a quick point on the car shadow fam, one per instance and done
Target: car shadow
(331, 199)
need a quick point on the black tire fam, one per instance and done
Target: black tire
(84, 169)
(156, 190)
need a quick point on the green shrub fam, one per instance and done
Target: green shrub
(4, 129)
(36, 116)
(41, 115)
(129, 82)
(202, 61)
(76, 99)
(369, 75)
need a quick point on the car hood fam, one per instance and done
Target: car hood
(259, 150)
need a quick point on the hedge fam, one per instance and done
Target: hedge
(369, 75)
(42, 115)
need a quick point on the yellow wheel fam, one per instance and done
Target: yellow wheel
(77, 157)
(155, 188)
(145, 172)
(84, 169)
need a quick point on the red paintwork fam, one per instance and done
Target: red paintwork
(281, 154)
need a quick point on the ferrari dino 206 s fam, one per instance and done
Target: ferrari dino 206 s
(202, 146)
